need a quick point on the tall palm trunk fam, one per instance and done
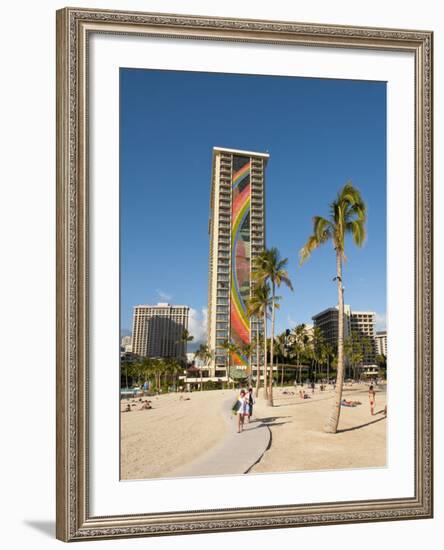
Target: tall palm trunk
(258, 368)
(332, 423)
(270, 381)
(265, 357)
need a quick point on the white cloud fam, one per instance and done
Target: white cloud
(197, 325)
(291, 321)
(163, 295)
(381, 321)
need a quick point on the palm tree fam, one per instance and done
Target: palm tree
(172, 367)
(127, 369)
(328, 349)
(230, 348)
(257, 344)
(299, 336)
(184, 339)
(205, 354)
(247, 350)
(158, 368)
(259, 305)
(269, 266)
(347, 216)
(144, 368)
(280, 352)
(317, 341)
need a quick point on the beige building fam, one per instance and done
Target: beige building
(158, 329)
(381, 343)
(363, 323)
(126, 343)
(237, 236)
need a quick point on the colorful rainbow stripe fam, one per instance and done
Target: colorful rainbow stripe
(240, 262)
(241, 174)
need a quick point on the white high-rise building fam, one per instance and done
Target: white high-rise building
(126, 343)
(158, 330)
(237, 236)
(381, 343)
(358, 322)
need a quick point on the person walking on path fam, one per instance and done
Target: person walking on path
(250, 398)
(242, 410)
(372, 399)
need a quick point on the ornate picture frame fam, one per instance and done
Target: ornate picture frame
(74, 520)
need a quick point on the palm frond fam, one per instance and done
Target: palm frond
(322, 229)
(357, 229)
(311, 244)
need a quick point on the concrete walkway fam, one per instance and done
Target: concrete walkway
(235, 454)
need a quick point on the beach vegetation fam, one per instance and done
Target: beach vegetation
(348, 216)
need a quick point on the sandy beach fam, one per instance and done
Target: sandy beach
(174, 432)
(178, 431)
(299, 442)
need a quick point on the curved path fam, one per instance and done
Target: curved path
(235, 454)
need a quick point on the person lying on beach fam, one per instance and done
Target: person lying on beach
(346, 403)
(182, 398)
(145, 406)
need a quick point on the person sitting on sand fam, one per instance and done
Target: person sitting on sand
(128, 409)
(145, 406)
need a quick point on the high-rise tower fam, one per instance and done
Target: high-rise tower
(237, 236)
(158, 330)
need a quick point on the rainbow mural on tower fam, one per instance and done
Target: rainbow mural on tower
(240, 256)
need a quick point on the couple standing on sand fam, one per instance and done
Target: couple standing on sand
(243, 408)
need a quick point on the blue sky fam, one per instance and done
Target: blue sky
(320, 134)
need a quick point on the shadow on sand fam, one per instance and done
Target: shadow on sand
(362, 425)
(268, 422)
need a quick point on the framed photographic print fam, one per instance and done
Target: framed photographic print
(244, 274)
